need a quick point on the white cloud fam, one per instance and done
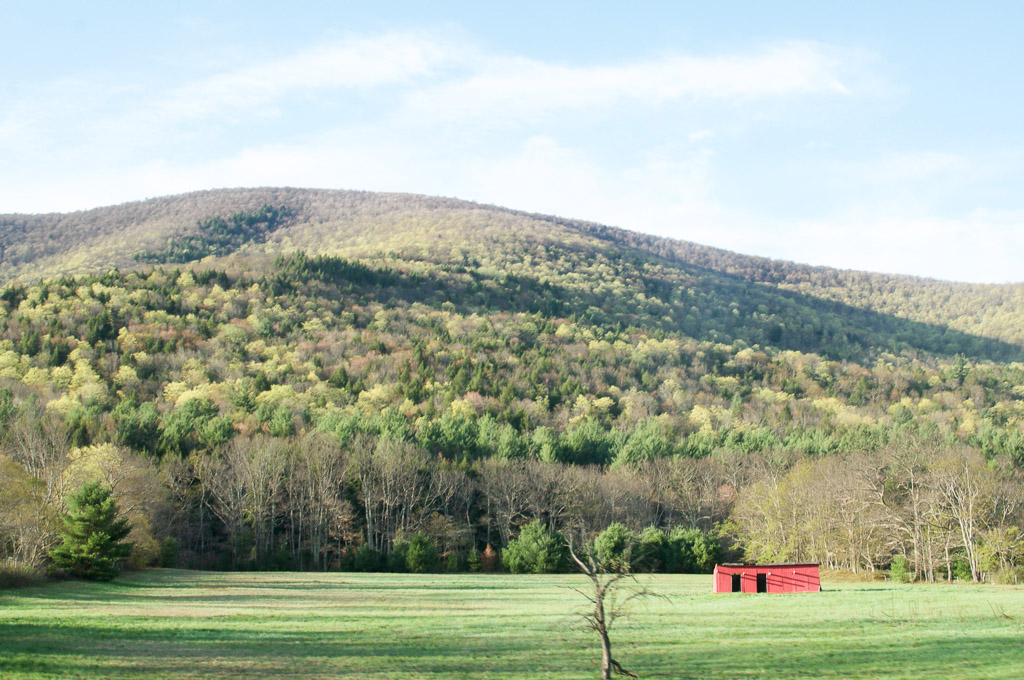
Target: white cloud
(392, 58)
(520, 89)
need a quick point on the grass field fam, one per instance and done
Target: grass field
(180, 624)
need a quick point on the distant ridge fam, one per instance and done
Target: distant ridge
(452, 232)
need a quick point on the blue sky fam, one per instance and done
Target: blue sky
(877, 136)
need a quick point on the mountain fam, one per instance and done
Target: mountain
(844, 314)
(286, 377)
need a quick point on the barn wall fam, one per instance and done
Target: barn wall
(779, 578)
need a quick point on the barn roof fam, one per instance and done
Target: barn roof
(769, 564)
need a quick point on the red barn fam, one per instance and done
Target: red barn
(766, 578)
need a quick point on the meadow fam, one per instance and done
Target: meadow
(183, 624)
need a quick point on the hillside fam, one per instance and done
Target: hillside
(436, 230)
(339, 370)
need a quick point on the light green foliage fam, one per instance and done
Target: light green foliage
(614, 548)
(646, 442)
(691, 551)
(545, 445)
(185, 428)
(899, 570)
(535, 551)
(282, 423)
(650, 551)
(92, 534)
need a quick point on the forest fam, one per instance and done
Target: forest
(366, 382)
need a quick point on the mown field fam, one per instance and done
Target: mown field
(181, 624)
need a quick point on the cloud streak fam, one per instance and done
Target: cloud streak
(389, 59)
(521, 89)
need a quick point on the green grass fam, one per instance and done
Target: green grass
(180, 624)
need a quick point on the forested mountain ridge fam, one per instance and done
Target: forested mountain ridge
(341, 370)
(368, 225)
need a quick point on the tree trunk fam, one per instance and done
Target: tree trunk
(606, 656)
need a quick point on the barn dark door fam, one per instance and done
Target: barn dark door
(737, 583)
(762, 583)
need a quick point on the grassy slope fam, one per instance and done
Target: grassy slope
(174, 624)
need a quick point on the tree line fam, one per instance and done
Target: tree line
(319, 502)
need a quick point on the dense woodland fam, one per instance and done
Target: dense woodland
(332, 380)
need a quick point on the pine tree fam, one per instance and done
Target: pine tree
(91, 535)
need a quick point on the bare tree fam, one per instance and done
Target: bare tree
(965, 485)
(262, 464)
(505, 486)
(223, 480)
(316, 504)
(41, 445)
(26, 525)
(391, 485)
(612, 587)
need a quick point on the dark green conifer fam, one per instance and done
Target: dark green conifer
(91, 535)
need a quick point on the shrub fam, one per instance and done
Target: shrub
(490, 560)
(649, 553)
(613, 547)
(170, 547)
(899, 570)
(282, 560)
(421, 554)
(473, 562)
(365, 558)
(691, 551)
(14, 574)
(706, 552)
(396, 560)
(535, 551)
(1009, 576)
(962, 570)
(145, 549)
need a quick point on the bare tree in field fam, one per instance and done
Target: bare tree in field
(612, 588)
(909, 499)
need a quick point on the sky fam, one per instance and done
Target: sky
(878, 136)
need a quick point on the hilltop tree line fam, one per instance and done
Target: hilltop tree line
(934, 316)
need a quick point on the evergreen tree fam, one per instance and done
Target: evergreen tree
(91, 535)
(535, 551)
